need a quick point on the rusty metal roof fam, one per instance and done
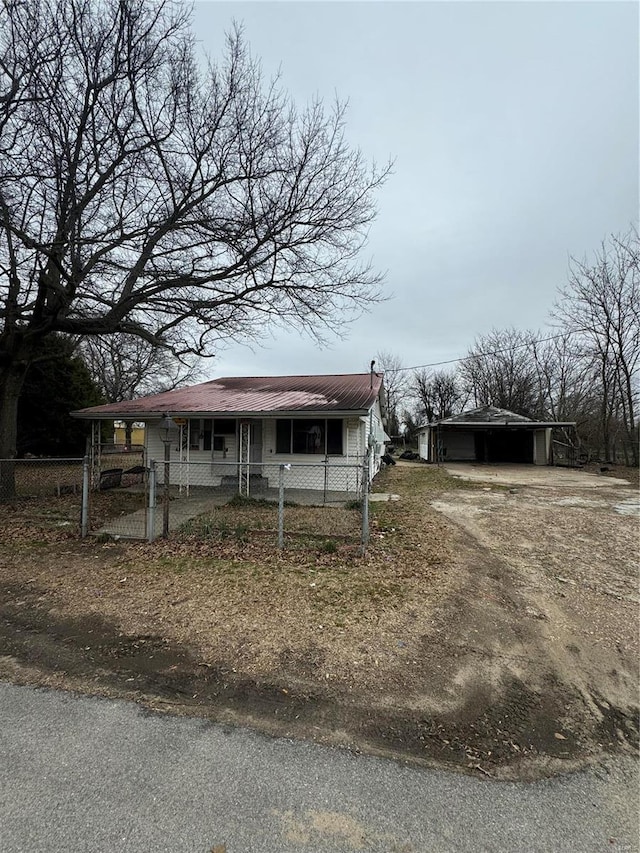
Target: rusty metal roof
(486, 414)
(252, 395)
(492, 416)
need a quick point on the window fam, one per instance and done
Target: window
(206, 434)
(194, 435)
(210, 434)
(283, 436)
(334, 437)
(309, 436)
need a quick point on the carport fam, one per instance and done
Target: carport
(490, 434)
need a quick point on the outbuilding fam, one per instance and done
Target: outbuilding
(490, 434)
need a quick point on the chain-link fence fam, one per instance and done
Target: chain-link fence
(49, 498)
(42, 498)
(22, 479)
(117, 465)
(322, 502)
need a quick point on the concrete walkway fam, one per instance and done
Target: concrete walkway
(181, 510)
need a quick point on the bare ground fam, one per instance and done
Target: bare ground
(491, 628)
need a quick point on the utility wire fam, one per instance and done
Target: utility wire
(480, 354)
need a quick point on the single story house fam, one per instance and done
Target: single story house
(489, 434)
(242, 426)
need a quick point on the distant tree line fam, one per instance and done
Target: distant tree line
(585, 369)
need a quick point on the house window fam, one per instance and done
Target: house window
(210, 434)
(194, 435)
(283, 436)
(334, 437)
(309, 436)
(206, 434)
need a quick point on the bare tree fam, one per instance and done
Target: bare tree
(499, 371)
(143, 196)
(564, 379)
(125, 367)
(601, 307)
(438, 394)
(395, 384)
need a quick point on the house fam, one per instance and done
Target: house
(489, 434)
(256, 424)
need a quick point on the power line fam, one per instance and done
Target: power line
(494, 352)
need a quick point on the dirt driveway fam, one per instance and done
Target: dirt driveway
(568, 541)
(540, 475)
(492, 626)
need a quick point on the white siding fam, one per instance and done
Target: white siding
(375, 428)
(309, 471)
(342, 473)
(356, 438)
(542, 442)
(423, 444)
(205, 467)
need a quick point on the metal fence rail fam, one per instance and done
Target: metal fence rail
(311, 504)
(265, 499)
(33, 477)
(44, 495)
(268, 498)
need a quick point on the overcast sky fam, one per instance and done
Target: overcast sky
(514, 130)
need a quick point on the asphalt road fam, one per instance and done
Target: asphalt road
(100, 776)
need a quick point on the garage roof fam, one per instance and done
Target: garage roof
(492, 416)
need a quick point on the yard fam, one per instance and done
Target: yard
(492, 626)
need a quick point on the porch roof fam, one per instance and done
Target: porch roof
(251, 396)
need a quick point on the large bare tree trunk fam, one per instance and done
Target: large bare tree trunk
(11, 381)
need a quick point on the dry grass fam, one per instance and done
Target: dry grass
(39, 520)
(454, 645)
(220, 586)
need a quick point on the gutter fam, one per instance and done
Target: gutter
(500, 424)
(278, 413)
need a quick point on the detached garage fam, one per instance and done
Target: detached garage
(488, 434)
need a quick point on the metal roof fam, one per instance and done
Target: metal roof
(485, 414)
(352, 393)
(492, 416)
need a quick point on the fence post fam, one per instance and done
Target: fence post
(281, 508)
(151, 508)
(84, 512)
(165, 497)
(365, 505)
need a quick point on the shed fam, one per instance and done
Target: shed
(489, 434)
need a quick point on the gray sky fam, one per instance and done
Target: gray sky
(514, 130)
